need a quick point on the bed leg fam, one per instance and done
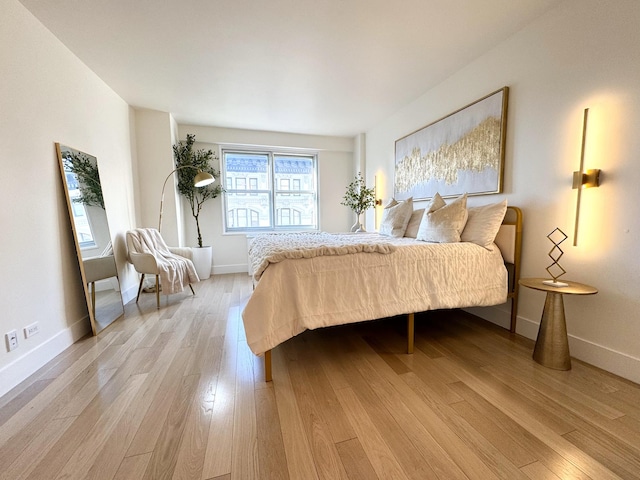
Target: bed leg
(267, 366)
(514, 312)
(410, 332)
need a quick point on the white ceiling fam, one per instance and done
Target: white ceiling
(328, 67)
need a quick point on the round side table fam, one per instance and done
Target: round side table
(552, 344)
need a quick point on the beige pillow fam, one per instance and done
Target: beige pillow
(483, 224)
(414, 223)
(416, 217)
(445, 224)
(395, 217)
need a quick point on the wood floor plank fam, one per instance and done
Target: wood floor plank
(42, 401)
(217, 460)
(80, 401)
(123, 434)
(271, 455)
(380, 456)
(10, 450)
(296, 444)
(626, 466)
(165, 451)
(244, 455)
(74, 436)
(457, 451)
(516, 434)
(537, 471)
(418, 453)
(532, 423)
(80, 462)
(23, 395)
(133, 467)
(355, 461)
(192, 451)
(428, 371)
(324, 398)
(176, 393)
(154, 420)
(577, 417)
(500, 439)
(22, 467)
(317, 429)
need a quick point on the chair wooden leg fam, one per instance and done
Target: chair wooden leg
(191, 287)
(158, 291)
(140, 288)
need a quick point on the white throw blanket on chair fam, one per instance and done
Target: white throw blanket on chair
(175, 272)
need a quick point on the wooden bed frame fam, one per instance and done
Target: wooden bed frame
(509, 240)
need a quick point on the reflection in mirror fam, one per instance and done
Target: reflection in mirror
(92, 237)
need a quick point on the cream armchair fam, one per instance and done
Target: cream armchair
(172, 266)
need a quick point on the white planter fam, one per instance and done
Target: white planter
(202, 257)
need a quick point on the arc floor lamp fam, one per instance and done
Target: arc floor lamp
(202, 179)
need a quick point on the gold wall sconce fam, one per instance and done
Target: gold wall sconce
(583, 179)
(378, 201)
(375, 192)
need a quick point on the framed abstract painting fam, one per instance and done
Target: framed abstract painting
(460, 153)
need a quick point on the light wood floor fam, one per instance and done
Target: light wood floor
(176, 393)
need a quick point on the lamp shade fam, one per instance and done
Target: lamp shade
(202, 179)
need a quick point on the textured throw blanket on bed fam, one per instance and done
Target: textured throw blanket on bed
(175, 272)
(275, 247)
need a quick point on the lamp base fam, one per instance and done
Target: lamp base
(555, 284)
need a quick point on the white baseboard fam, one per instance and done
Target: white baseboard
(603, 357)
(222, 269)
(592, 353)
(27, 364)
(129, 294)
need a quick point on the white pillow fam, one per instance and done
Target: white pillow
(416, 217)
(445, 224)
(395, 217)
(483, 224)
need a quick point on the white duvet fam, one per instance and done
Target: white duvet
(294, 295)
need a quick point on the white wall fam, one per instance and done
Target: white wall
(335, 165)
(47, 95)
(154, 137)
(584, 53)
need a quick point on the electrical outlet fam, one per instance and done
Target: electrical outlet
(12, 340)
(32, 329)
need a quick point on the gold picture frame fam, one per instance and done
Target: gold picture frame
(461, 153)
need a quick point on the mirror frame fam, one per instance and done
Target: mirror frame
(88, 293)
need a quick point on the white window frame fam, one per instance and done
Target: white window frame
(272, 191)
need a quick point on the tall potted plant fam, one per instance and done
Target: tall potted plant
(359, 198)
(200, 160)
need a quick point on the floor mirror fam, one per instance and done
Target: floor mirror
(92, 238)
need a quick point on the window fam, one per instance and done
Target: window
(80, 217)
(269, 191)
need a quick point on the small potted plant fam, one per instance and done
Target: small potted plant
(185, 156)
(359, 198)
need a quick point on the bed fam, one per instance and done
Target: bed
(308, 281)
